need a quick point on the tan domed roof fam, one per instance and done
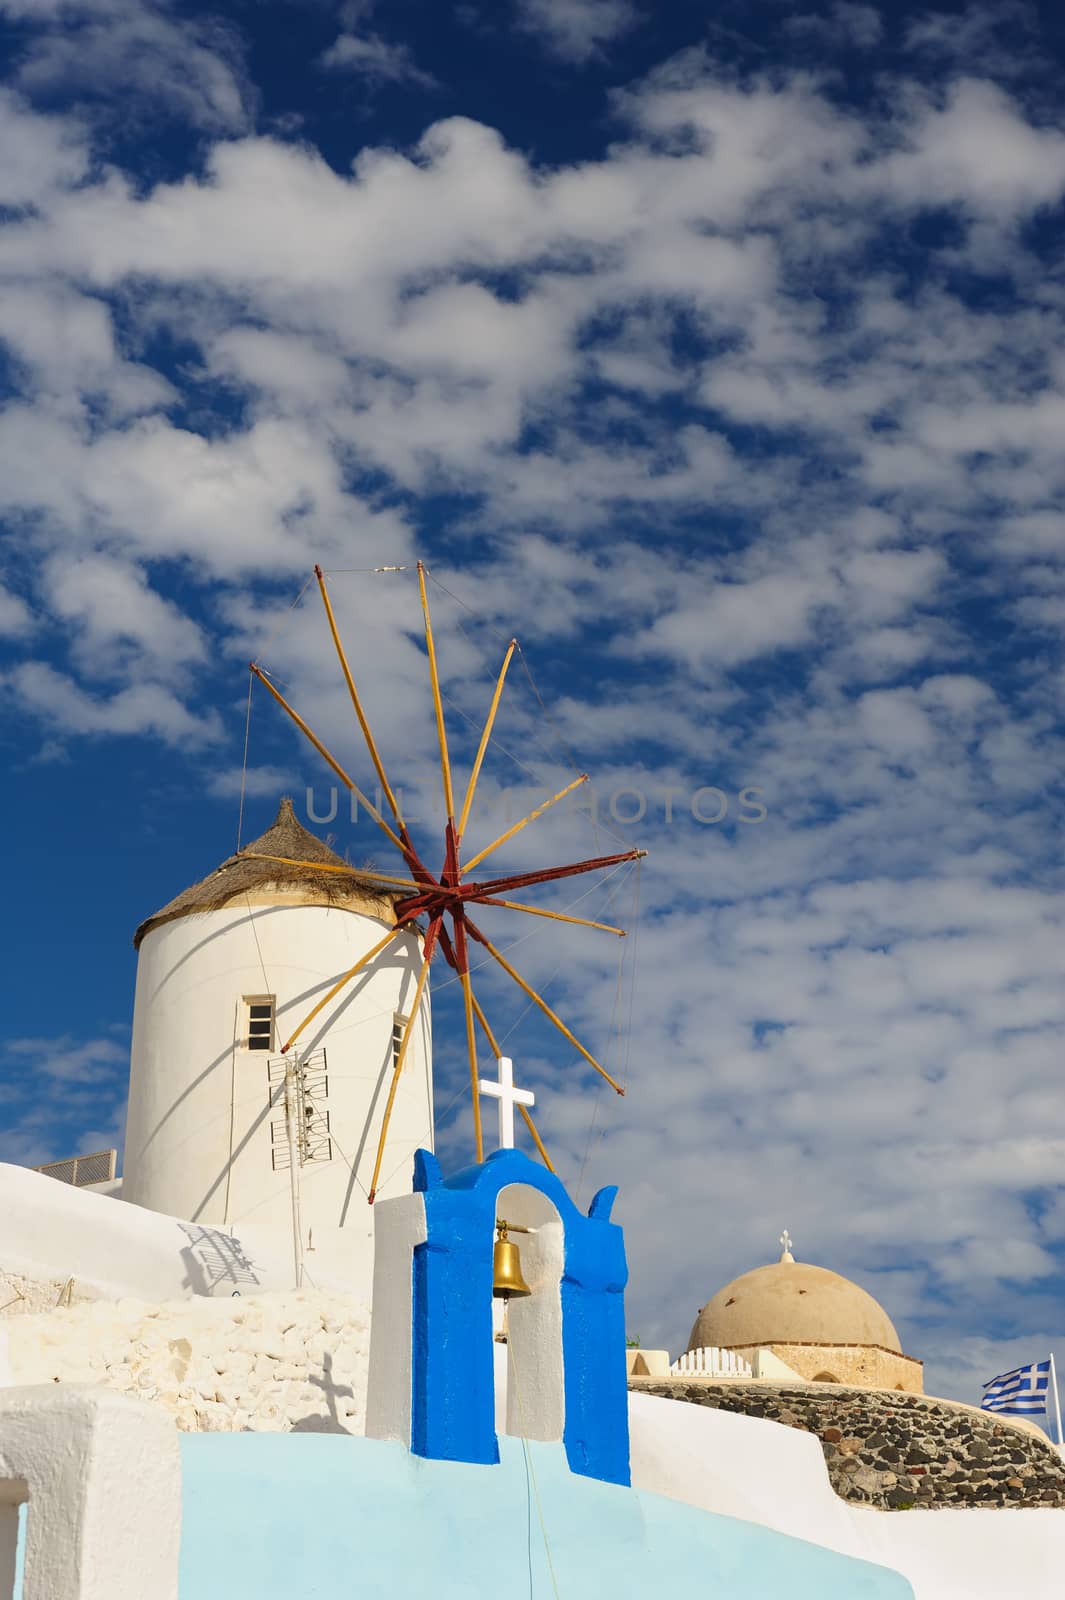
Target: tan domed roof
(248, 872)
(792, 1302)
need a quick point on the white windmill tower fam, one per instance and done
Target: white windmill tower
(225, 972)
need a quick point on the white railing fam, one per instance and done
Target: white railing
(711, 1362)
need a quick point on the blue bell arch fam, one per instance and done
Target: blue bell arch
(452, 1349)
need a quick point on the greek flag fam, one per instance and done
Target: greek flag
(1020, 1393)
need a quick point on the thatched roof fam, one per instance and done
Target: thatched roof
(242, 874)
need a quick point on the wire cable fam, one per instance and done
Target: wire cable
(615, 1020)
(244, 763)
(512, 1369)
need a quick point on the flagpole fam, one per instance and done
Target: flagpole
(1057, 1402)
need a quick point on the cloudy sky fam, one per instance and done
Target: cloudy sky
(715, 352)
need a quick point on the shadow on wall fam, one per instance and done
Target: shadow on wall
(214, 1261)
(314, 1422)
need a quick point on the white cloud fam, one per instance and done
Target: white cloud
(142, 709)
(999, 35)
(369, 56)
(576, 31)
(41, 153)
(82, 1108)
(1035, 532)
(124, 626)
(137, 50)
(256, 783)
(889, 652)
(975, 149)
(739, 621)
(861, 24)
(406, 349)
(858, 25)
(288, 373)
(65, 343)
(70, 1060)
(16, 618)
(888, 582)
(269, 499)
(895, 722)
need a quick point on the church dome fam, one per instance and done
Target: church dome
(249, 873)
(792, 1302)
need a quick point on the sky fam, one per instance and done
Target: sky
(717, 354)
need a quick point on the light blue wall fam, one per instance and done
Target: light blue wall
(317, 1516)
(20, 1554)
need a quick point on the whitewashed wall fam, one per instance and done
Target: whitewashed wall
(761, 1472)
(195, 1095)
(52, 1232)
(70, 1455)
(535, 1382)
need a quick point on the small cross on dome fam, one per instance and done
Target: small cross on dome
(785, 1241)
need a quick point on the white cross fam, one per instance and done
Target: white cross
(785, 1239)
(508, 1097)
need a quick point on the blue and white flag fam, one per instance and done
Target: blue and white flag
(1020, 1393)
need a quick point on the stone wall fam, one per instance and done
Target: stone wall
(276, 1363)
(892, 1450)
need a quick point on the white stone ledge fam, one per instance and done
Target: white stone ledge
(101, 1476)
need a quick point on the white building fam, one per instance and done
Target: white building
(226, 972)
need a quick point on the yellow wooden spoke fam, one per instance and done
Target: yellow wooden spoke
(363, 961)
(493, 1045)
(445, 760)
(356, 702)
(485, 736)
(537, 1141)
(396, 1070)
(331, 760)
(524, 823)
(329, 866)
(483, 1020)
(471, 1045)
(547, 1011)
(556, 916)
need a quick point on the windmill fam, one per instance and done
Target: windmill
(444, 900)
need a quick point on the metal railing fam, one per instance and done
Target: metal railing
(81, 1171)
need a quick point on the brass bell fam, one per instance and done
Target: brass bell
(507, 1280)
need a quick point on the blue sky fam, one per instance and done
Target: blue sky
(718, 355)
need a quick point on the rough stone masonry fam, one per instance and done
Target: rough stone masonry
(893, 1450)
(273, 1363)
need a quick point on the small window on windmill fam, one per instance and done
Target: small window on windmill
(399, 1024)
(259, 1022)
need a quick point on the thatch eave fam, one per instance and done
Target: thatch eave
(244, 875)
